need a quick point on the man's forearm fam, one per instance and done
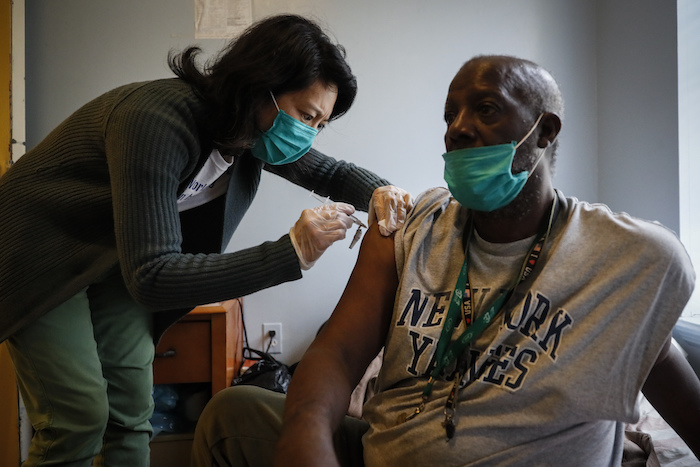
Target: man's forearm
(313, 411)
(673, 389)
(320, 391)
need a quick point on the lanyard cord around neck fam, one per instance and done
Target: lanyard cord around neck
(447, 351)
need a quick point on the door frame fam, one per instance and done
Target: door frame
(12, 146)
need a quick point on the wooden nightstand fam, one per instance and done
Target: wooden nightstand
(206, 346)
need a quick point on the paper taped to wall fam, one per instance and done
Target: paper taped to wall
(221, 19)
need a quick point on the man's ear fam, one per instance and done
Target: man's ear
(550, 125)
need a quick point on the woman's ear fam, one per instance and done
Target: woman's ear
(550, 125)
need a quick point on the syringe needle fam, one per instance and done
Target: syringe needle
(327, 200)
(357, 237)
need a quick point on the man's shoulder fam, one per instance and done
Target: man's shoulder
(436, 218)
(437, 199)
(620, 230)
(600, 215)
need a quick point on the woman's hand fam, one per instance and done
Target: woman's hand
(389, 207)
(317, 229)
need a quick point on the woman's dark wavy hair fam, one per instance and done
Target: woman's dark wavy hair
(281, 54)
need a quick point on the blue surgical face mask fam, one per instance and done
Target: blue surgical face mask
(482, 178)
(286, 141)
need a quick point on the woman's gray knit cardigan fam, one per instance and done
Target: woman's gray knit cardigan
(101, 190)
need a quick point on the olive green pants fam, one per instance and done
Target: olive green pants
(240, 426)
(84, 371)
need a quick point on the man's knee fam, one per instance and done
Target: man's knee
(244, 408)
(239, 426)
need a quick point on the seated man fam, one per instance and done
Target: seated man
(518, 325)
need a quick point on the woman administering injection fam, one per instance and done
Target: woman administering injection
(114, 225)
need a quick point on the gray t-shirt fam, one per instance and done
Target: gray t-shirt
(555, 376)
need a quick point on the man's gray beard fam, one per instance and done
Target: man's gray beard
(521, 206)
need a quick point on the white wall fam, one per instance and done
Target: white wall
(637, 77)
(404, 55)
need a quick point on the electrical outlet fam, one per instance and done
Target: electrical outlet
(272, 344)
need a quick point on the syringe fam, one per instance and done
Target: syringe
(355, 220)
(327, 200)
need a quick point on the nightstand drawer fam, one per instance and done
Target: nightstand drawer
(205, 346)
(184, 353)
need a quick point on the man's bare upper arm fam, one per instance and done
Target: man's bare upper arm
(360, 321)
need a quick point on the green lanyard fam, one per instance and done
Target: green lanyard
(448, 351)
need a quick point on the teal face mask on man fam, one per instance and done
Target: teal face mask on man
(481, 178)
(286, 141)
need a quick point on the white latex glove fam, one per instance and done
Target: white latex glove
(317, 229)
(388, 207)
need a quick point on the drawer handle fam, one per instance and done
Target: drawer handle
(166, 354)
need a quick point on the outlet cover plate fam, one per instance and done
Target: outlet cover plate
(276, 345)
